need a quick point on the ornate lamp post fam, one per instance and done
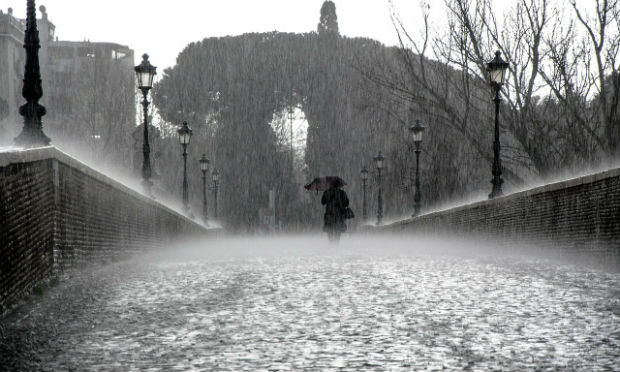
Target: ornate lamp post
(185, 134)
(291, 115)
(416, 132)
(364, 174)
(379, 161)
(204, 167)
(497, 72)
(216, 176)
(32, 133)
(145, 73)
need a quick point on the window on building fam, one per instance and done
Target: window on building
(86, 52)
(61, 53)
(117, 54)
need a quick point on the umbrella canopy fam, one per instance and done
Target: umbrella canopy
(324, 183)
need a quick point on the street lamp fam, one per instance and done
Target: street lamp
(416, 132)
(32, 133)
(185, 134)
(216, 176)
(145, 72)
(497, 72)
(204, 167)
(291, 114)
(379, 162)
(364, 174)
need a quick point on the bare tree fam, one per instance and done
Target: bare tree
(560, 74)
(602, 30)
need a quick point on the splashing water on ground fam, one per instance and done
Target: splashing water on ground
(299, 304)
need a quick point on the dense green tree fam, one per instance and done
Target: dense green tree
(328, 23)
(355, 94)
(232, 88)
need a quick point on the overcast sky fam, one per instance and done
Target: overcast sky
(163, 28)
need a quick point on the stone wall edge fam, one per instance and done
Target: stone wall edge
(16, 155)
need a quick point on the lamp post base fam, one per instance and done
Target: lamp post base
(32, 137)
(494, 195)
(188, 212)
(497, 189)
(147, 185)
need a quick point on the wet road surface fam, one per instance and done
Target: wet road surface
(300, 305)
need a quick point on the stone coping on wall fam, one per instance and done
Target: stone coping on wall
(615, 172)
(15, 155)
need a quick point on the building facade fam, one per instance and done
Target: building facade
(88, 87)
(12, 59)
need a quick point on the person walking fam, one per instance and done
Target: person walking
(336, 204)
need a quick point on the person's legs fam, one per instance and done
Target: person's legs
(336, 238)
(333, 237)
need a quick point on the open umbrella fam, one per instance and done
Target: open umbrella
(324, 183)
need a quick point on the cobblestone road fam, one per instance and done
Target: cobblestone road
(299, 305)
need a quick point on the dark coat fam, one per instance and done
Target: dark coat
(335, 201)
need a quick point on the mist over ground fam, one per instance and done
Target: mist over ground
(380, 245)
(298, 303)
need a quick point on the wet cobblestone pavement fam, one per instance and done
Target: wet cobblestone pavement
(299, 305)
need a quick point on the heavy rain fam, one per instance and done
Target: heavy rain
(333, 168)
(294, 303)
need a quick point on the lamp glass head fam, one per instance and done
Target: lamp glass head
(417, 130)
(497, 69)
(185, 134)
(145, 72)
(379, 160)
(204, 163)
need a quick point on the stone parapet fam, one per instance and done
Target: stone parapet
(582, 214)
(56, 213)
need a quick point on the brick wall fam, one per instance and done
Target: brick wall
(26, 227)
(56, 213)
(579, 214)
